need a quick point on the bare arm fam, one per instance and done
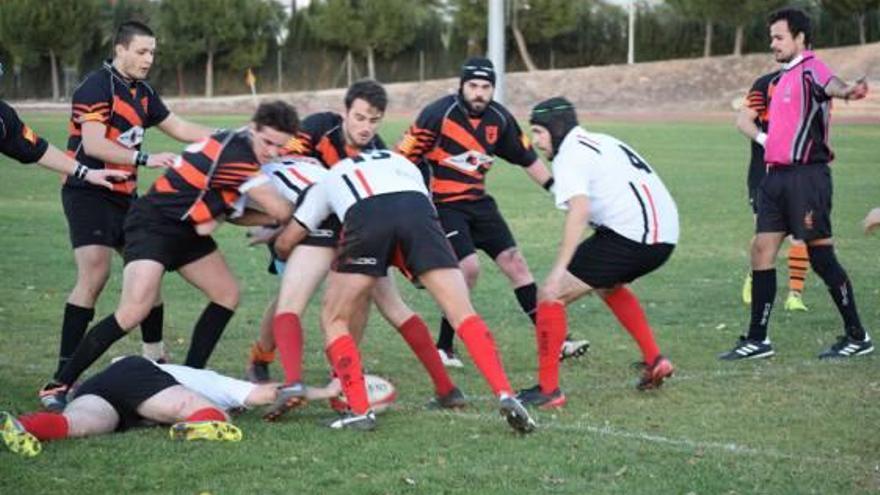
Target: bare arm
(272, 203)
(55, 159)
(98, 146)
(262, 395)
(292, 235)
(837, 88)
(575, 224)
(745, 123)
(539, 173)
(183, 130)
(252, 218)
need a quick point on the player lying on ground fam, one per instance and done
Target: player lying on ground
(305, 269)
(133, 390)
(387, 217)
(601, 182)
(169, 229)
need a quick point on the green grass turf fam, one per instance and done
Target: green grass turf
(787, 425)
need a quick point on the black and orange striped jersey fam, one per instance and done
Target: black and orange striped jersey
(321, 136)
(758, 100)
(125, 107)
(459, 149)
(205, 181)
(17, 140)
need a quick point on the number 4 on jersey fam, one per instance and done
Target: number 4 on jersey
(636, 160)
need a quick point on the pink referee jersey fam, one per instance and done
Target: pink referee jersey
(800, 114)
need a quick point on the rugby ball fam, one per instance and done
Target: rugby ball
(380, 393)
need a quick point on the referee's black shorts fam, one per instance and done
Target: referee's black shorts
(126, 384)
(796, 200)
(607, 259)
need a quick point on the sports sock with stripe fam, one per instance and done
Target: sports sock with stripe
(346, 361)
(484, 353)
(415, 332)
(550, 331)
(288, 334)
(798, 266)
(763, 295)
(825, 264)
(625, 306)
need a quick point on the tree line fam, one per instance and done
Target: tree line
(206, 45)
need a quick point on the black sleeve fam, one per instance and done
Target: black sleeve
(17, 140)
(156, 109)
(514, 146)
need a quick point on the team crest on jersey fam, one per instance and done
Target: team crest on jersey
(491, 134)
(29, 135)
(132, 137)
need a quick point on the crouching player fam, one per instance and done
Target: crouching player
(601, 182)
(132, 390)
(388, 219)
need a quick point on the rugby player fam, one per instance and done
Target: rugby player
(168, 229)
(751, 121)
(112, 107)
(795, 197)
(604, 183)
(455, 140)
(133, 390)
(388, 218)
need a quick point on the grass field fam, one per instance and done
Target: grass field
(787, 425)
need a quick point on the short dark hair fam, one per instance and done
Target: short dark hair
(128, 30)
(278, 115)
(368, 90)
(798, 22)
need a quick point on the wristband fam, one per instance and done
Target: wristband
(140, 158)
(761, 138)
(80, 171)
(549, 184)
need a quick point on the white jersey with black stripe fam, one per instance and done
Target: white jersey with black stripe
(626, 194)
(356, 179)
(290, 175)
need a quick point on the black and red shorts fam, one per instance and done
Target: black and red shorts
(607, 259)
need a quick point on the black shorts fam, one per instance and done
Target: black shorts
(95, 217)
(126, 384)
(327, 235)
(399, 229)
(150, 235)
(757, 172)
(607, 259)
(796, 200)
(472, 225)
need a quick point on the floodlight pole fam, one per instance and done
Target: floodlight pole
(631, 36)
(496, 45)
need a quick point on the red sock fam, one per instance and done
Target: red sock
(416, 334)
(481, 346)
(550, 331)
(207, 414)
(289, 342)
(45, 425)
(346, 361)
(629, 313)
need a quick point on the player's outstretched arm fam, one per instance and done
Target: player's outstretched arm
(183, 130)
(872, 220)
(540, 174)
(272, 203)
(837, 88)
(292, 235)
(55, 159)
(96, 145)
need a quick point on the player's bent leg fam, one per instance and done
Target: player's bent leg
(92, 272)
(470, 268)
(193, 416)
(89, 415)
(514, 266)
(212, 276)
(262, 351)
(345, 295)
(141, 282)
(389, 302)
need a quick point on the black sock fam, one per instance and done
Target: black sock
(763, 295)
(207, 333)
(73, 327)
(151, 327)
(95, 343)
(825, 264)
(527, 296)
(447, 333)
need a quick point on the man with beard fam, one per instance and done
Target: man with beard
(455, 140)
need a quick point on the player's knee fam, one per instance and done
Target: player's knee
(512, 263)
(825, 264)
(228, 295)
(470, 268)
(129, 315)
